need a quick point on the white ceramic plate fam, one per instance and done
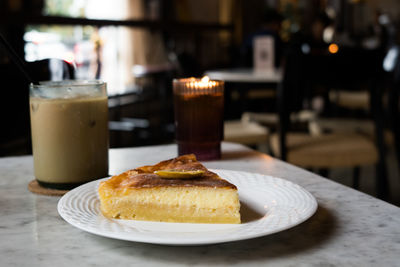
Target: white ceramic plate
(268, 205)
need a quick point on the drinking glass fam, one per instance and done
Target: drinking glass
(69, 123)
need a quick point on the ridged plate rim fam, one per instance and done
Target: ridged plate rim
(278, 203)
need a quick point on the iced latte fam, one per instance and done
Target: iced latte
(69, 122)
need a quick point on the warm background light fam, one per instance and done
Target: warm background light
(333, 48)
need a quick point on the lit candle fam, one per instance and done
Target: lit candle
(196, 86)
(199, 105)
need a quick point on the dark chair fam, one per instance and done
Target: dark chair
(391, 65)
(304, 76)
(15, 135)
(51, 69)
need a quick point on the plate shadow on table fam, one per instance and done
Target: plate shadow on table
(314, 232)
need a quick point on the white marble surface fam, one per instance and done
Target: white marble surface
(348, 229)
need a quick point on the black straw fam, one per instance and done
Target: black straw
(16, 59)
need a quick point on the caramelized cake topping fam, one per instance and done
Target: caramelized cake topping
(144, 177)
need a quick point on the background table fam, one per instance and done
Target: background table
(244, 85)
(349, 227)
(245, 75)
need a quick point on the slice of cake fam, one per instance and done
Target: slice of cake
(182, 191)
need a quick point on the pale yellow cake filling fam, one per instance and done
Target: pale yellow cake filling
(171, 204)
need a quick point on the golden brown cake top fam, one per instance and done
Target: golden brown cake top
(144, 177)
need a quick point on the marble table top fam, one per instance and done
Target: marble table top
(349, 228)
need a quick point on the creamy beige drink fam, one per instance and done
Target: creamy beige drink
(69, 138)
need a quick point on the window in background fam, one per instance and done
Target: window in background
(106, 53)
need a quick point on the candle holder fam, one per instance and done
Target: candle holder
(199, 108)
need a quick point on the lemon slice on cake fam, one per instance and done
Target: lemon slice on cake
(179, 174)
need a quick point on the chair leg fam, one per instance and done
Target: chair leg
(382, 183)
(394, 116)
(323, 172)
(356, 177)
(396, 132)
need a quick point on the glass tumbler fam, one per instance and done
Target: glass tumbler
(69, 125)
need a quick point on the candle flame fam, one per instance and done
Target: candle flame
(205, 79)
(203, 83)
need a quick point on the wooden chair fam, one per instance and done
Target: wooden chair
(350, 100)
(246, 132)
(327, 150)
(365, 127)
(271, 120)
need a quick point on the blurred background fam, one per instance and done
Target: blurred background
(331, 93)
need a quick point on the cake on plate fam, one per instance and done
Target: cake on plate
(175, 190)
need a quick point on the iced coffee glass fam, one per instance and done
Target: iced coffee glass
(69, 122)
(199, 112)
